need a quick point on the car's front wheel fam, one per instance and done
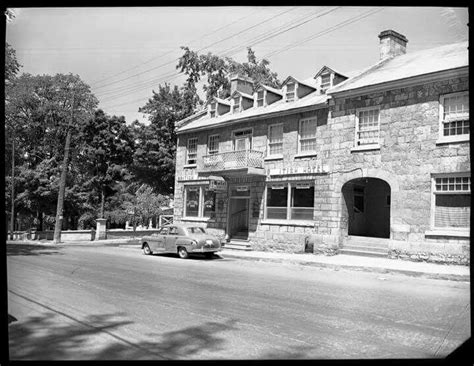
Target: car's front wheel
(147, 250)
(183, 253)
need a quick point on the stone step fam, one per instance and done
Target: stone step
(362, 253)
(367, 241)
(238, 245)
(367, 248)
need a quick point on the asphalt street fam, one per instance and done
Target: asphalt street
(98, 303)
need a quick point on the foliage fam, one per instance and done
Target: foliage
(11, 64)
(218, 70)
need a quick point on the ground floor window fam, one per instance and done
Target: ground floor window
(452, 201)
(199, 202)
(290, 201)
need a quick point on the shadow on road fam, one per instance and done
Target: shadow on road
(49, 337)
(31, 249)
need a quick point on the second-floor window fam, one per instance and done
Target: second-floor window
(367, 127)
(454, 115)
(307, 135)
(261, 98)
(275, 140)
(242, 140)
(290, 92)
(213, 145)
(191, 152)
(325, 82)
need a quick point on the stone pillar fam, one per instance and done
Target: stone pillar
(150, 224)
(101, 232)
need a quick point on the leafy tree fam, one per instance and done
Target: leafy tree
(11, 64)
(155, 144)
(218, 70)
(106, 152)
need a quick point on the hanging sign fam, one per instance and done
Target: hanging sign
(303, 185)
(278, 186)
(217, 185)
(242, 188)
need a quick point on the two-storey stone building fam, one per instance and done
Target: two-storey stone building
(377, 163)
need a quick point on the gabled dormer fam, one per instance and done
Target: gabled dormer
(326, 78)
(294, 89)
(217, 107)
(266, 95)
(240, 101)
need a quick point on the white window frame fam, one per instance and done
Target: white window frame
(301, 121)
(434, 193)
(269, 142)
(288, 186)
(262, 99)
(201, 189)
(236, 107)
(442, 121)
(295, 96)
(241, 130)
(326, 86)
(371, 146)
(187, 152)
(213, 138)
(213, 111)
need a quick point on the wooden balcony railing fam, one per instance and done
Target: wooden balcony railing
(232, 160)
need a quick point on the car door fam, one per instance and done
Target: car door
(171, 239)
(160, 240)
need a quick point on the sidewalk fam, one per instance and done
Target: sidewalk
(336, 262)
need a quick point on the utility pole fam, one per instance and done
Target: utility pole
(12, 222)
(62, 182)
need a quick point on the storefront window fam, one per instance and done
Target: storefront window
(277, 201)
(302, 202)
(209, 203)
(192, 202)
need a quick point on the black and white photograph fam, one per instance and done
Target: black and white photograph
(234, 182)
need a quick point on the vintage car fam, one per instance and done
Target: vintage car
(181, 240)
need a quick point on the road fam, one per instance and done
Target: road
(114, 303)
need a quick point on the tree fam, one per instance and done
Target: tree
(218, 70)
(11, 64)
(155, 144)
(106, 152)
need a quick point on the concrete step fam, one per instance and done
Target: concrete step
(367, 241)
(238, 245)
(367, 248)
(363, 253)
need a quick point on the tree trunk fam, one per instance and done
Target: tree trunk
(102, 202)
(13, 191)
(62, 190)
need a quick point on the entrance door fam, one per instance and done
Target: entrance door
(242, 140)
(239, 218)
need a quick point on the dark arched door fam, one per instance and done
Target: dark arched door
(368, 207)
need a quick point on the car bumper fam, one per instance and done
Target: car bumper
(205, 250)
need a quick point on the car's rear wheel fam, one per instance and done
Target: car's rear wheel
(183, 253)
(146, 249)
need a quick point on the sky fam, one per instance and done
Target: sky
(124, 53)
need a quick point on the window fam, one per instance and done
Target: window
(454, 116)
(325, 82)
(242, 139)
(212, 110)
(290, 92)
(199, 202)
(452, 201)
(260, 98)
(275, 140)
(191, 158)
(213, 145)
(236, 105)
(367, 127)
(307, 135)
(298, 205)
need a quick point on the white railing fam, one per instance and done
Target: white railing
(165, 220)
(232, 160)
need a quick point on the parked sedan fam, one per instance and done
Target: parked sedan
(182, 240)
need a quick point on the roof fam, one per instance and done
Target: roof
(308, 82)
(222, 101)
(408, 65)
(279, 106)
(327, 68)
(245, 95)
(273, 90)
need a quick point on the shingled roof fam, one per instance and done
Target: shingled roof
(409, 65)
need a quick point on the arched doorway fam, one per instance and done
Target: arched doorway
(367, 201)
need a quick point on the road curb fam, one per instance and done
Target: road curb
(337, 267)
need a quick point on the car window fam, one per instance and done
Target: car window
(173, 230)
(164, 231)
(196, 230)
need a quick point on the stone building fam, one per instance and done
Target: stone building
(374, 164)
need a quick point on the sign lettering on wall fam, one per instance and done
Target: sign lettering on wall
(319, 168)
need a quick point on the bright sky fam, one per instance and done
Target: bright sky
(125, 53)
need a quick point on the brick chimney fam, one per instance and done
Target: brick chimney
(242, 84)
(392, 44)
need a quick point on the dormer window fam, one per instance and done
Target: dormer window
(212, 110)
(325, 82)
(236, 105)
(261, 98)
(290, 92)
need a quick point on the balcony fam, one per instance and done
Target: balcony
(232, 163)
